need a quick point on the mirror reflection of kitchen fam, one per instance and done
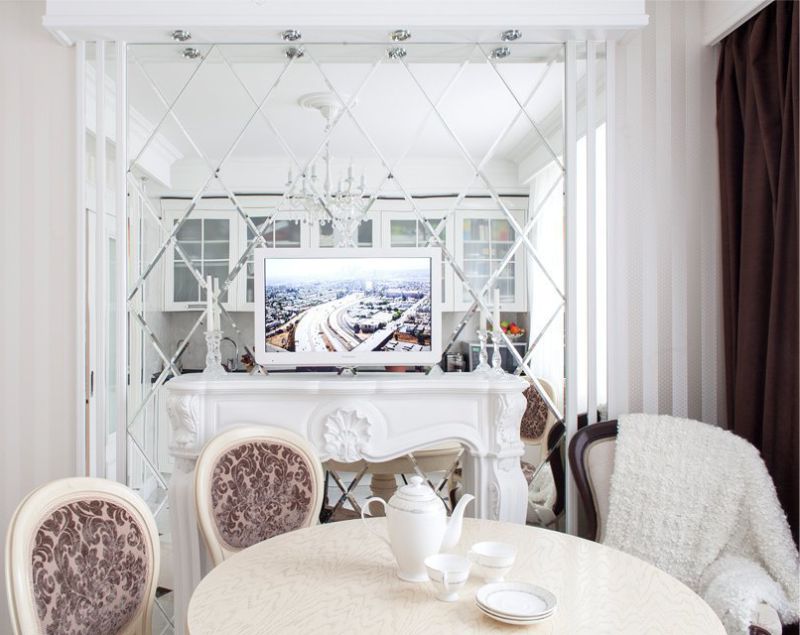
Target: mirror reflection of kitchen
(284, 140)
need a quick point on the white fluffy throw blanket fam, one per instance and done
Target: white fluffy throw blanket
(697, 501)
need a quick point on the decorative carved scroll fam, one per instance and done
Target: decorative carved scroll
(184, 415)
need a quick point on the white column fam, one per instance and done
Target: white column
(82, 394)
(100, 327)
(571, 362)
(591, 235)
(121, 326)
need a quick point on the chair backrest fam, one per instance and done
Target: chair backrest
(253, 483)
(537, 418)
(82, 555)
(591, 459)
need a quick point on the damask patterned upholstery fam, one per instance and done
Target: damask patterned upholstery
(261, 489)
(90, 568)
(534, 419)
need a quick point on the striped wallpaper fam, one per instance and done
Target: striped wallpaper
(37, 259)
(664, 345)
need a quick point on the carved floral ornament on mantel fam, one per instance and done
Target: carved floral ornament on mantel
(346, 434)
(184, 415)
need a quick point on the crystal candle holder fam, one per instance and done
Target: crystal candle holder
(214, 366)
(483, 355)
(497, 360)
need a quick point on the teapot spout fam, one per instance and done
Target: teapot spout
(453, 532)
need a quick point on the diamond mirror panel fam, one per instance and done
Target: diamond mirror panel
(233, 147)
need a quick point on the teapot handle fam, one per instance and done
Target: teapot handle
(374, 499)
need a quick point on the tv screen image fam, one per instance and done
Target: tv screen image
(347, 306)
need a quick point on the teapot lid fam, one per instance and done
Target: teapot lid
(416, 496)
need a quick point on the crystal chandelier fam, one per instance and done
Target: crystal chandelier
(344, 204)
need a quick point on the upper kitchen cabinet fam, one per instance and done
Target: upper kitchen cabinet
(483, 240)
(207, 240)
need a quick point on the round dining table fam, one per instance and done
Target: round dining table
(339, 578)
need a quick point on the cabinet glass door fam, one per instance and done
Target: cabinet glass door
(279, 233)
(485, 242)
(207, 244)
(408, 232)
(364, 238)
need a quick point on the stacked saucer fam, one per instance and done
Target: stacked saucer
(516, 602)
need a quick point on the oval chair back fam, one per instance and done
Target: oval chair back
(82, 556)
(253, 483)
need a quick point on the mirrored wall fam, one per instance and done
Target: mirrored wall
(231, 147)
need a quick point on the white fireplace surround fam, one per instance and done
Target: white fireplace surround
(373, 416)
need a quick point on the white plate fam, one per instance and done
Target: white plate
(514, 621)
(521, 619)
(516, 600)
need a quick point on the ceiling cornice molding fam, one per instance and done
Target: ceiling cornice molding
(240, 20)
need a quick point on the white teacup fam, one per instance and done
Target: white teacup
(494, 558)
(448, 573)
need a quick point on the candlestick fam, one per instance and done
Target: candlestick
(214, 367)
(497, 360)
(483, 356)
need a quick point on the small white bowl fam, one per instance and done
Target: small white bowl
(448, 573)
(494, 558)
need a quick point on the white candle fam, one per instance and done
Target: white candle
(497, 310)
(217, 312)
(209, 305)
(483, 318)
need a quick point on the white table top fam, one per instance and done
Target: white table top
(338, 578)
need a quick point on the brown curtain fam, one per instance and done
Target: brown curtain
(757, 111)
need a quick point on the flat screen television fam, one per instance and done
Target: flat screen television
(348, 307)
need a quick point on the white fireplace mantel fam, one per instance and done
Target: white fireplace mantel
(374, 416)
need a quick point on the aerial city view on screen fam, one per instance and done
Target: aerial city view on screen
(347, 304)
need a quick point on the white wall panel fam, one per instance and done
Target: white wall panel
(664, 311)
(37, 259)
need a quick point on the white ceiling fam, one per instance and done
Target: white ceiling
(215, 107)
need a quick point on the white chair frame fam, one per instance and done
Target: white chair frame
(27, 519)
(204, 470)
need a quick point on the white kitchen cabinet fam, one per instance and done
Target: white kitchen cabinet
(208, 238)
(483, 238)
(285, 230)
(404, 229)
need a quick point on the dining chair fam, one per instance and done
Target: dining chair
(546, 492)
(536, 423)
(82, 556)
(253, 483)
(591, 459)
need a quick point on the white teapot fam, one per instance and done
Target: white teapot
(418, 526)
